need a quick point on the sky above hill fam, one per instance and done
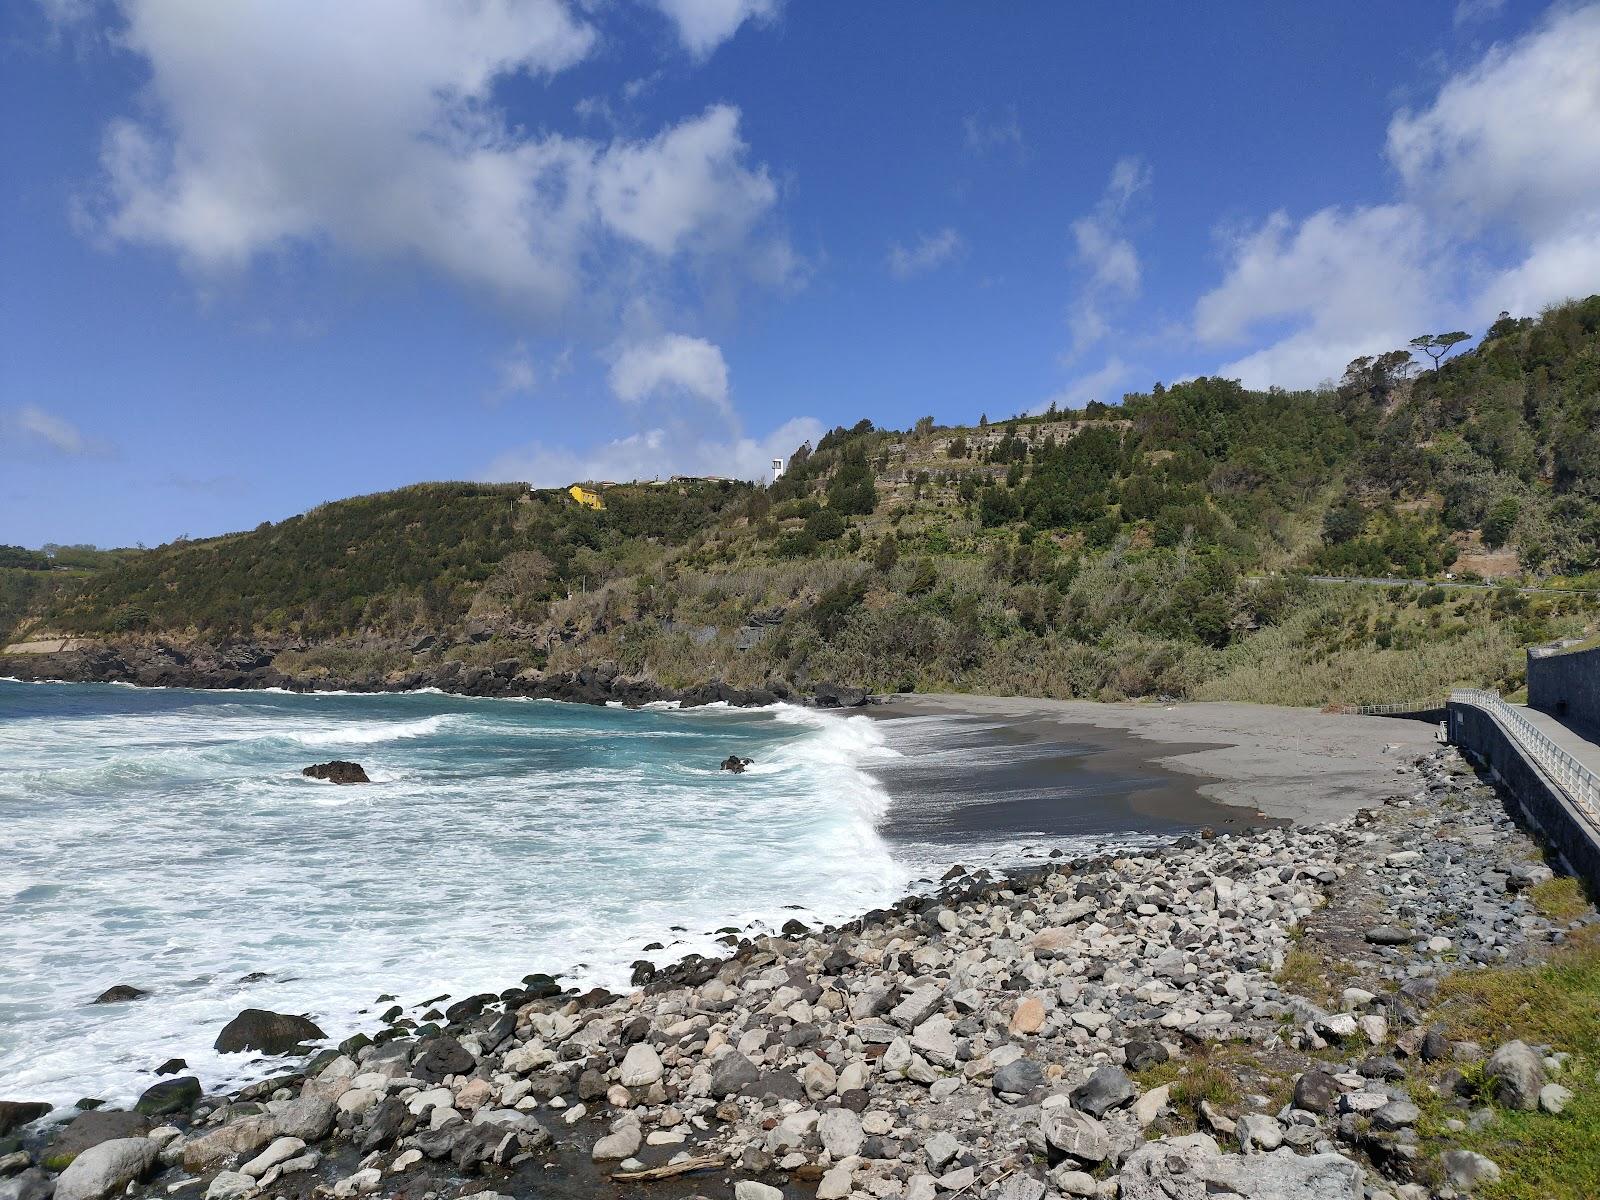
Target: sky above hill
(260, 254)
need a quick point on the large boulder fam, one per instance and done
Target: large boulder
(105, 1170)
(169, 1096)
(834, 695)
(1074, 1134)
(14, 1114)
(235, 1140)
(1516, 1073)
(1193, 1168)
(268, 1032)
(1109, 1087)
(89, 1130)
(337, 771)
(32, 1184)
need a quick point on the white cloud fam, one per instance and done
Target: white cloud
(658, 452)
(29, 429)
(1102, 249)
(1515, 138)
(703, 25)
(1507, 154)
(516, 374)
(930, 251)
(1098, 385)
(983, 133)
(1565, 266)
(390, 145)
(1353, 282)
(1469, 11)
(669, 366)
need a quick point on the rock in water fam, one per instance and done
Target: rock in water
(106, 1169)
(338, 771)
(736, 764)
(14, 1114)
(120, 993)
(169, 1096)
(268, 1032)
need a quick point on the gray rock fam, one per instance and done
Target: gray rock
(1022, 1078)
(308, 1118)
(1143, 1053)
(229, 1185)
(940, 1148)
(32, 1184)
(1192, 1168)
(732, 1073)
(1108, 1088)
(14, 1114)
(1516, 1074)
(91, 1129)
(917, 1007)
(840, 1132)
(169, 1096)
(1553, 1099)
(1257, 1131)
(268, 1032)
(1075, 1134)
(1388, 935)
(621, 1144)
(104, 1170)
(1466, 1170)
(750, 1189)
(1397, 1114)
(641, 1066)
(1316, 1091)
(1020, 1186)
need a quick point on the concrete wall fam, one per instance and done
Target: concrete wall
(1544, 805)
(1566, 685)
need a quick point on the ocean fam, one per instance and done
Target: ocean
(168, 840)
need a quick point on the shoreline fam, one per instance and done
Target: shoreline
(1028, 1025)
(1295, 764)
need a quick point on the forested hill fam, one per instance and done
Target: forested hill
(1160, 546)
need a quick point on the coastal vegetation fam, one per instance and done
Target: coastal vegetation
(1168, 546)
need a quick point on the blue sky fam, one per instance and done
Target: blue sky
(263, 254)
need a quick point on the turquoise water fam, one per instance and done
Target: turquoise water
(167, 839)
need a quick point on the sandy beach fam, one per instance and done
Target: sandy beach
(1295, 764)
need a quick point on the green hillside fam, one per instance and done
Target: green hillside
(1158, 547)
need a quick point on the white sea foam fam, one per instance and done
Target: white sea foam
(168, 840)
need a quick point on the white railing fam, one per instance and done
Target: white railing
(1431, 704)
(1571, 776)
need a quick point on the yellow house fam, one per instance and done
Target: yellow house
(587, 498)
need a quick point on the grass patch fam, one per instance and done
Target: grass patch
(1560, 899)
(1204, 1081)
(1320, 980)
(1555, 1003)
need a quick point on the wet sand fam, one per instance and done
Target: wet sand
(1078, 767)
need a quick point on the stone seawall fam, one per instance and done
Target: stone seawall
(1560, 823)
(1566, 685)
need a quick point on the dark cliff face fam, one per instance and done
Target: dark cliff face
(250, 667)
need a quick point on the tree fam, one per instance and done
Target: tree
(1437, 345)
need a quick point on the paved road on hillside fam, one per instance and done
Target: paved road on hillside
(1380, 581)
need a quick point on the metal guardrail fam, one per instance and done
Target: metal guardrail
(1571, 776)
(1433, 704)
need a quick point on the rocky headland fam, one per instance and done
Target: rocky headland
(1262, 1015)
(160, 663)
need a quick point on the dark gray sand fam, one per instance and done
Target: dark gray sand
(1015, 766)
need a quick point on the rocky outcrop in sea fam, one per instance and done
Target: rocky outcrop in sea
(1138, 1026)
(252, 666)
